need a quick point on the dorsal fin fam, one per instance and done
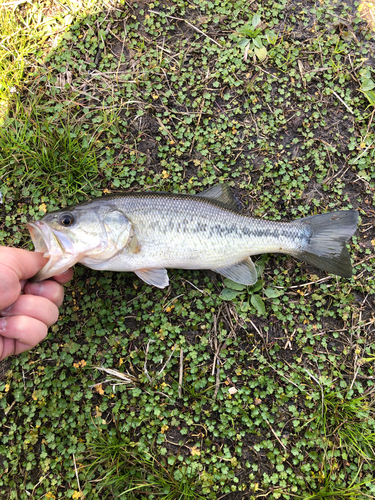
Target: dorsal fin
(221, 192)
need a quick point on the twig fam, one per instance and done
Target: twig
(199, 290)
(369, 124)
(181, 374)
(165, 364)
(145, 364)
(256, 329)
(172, 300)
(216, 348)
(306, 284)
(321, 389)
(276, 436)
(217, 382)
(364, 151)
(318, 69)
(364, 260)
(9, 408)
(187, 22)
(233, 331)
(264, 71)
(343, 102)
(75, 468)
(199, 119)
(126, 379)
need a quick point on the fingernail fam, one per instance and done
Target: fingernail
(36, 288)
(3, 323)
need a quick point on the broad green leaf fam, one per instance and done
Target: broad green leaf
(243, 42)
(245, 306)
(271, 293)
(228, 294)
(367, 85)
(260, 265)
(365, 73)
(233, 285)
(256, 20)
(258, 286)
(258, 303)
(246, 30)
(370, 94)
(258, 42)
(261, 53)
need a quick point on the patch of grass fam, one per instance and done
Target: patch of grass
(29, 31)
(127, 471)
(47, 153)
(346, 420)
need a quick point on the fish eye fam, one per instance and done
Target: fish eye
(66, 220)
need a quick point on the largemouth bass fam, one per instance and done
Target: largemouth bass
(149, 232)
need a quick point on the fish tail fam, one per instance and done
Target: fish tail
(325, 246)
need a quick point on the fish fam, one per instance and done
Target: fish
(148, 232)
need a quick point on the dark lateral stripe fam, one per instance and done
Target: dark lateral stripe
(218, 229)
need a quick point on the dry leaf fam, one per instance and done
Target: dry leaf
(194, 451)
(99, 389)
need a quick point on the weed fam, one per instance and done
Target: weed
(127, 471)
(252, 41)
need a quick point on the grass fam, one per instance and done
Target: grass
(230, 392)
(125, 471)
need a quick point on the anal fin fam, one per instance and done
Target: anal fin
(156, 277)
(244, 272)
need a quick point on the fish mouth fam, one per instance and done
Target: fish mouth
(55, 247)
(39, 236)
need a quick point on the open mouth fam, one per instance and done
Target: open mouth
(47, 242)
(38, 236)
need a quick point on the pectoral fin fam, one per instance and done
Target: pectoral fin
(244, 272)
(133, 244)
(156, 277)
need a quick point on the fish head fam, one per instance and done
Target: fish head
(84, 233)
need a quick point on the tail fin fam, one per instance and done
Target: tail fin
(326, 247)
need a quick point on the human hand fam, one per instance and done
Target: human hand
(26, 309)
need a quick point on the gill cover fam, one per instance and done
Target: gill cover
(119, 234)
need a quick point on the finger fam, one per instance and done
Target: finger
(16, 265)
(20, 333)
(49, 289)
(24, 263)
(64, 277)
(35, 307)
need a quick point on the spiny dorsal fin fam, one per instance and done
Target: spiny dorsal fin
(221, 192)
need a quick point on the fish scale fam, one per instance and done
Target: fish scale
(175, 232)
